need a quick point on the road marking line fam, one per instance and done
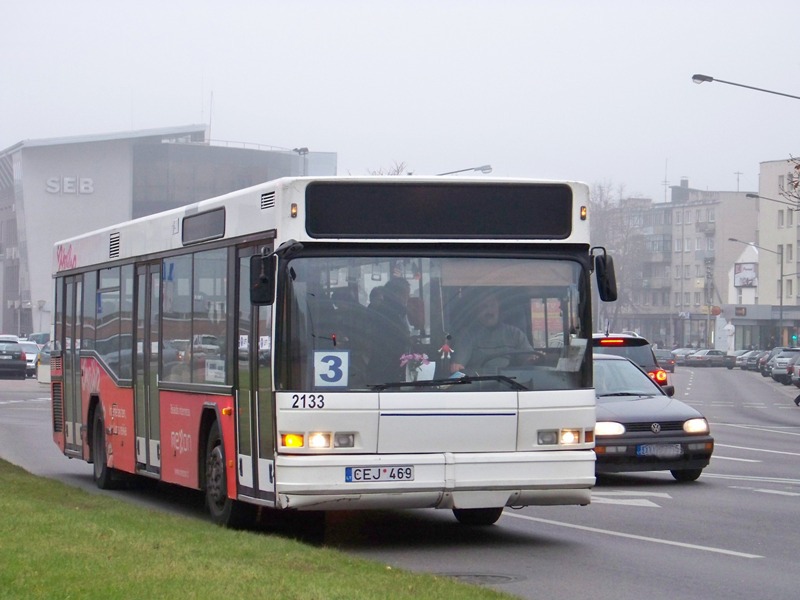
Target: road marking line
(643, 502)
(749, 460)
(631, 536)
(757, 449)
(777, 492)
(782, 480)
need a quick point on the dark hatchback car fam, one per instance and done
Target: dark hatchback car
(633, 347)
(640, 427)
(666, 359)
(13, 362)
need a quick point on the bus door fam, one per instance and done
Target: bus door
(254, 398)
(73, 304)
(147, 422)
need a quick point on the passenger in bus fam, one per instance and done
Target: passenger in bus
(390, 332)
(489, 342)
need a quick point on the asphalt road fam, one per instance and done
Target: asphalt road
(733, 534)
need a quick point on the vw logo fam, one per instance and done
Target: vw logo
(655, 427)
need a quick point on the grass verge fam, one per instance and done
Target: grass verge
(61, 542)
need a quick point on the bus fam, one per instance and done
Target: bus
(300, 344)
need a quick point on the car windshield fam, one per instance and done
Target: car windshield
(619, 378)
(373, 322)
(30, 347)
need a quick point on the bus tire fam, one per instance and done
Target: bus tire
(224, 511)
(478, 516)
(104, 476)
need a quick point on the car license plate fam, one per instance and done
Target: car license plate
(371, 474)
(659, 450)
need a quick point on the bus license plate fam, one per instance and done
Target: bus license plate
(370, 474)
(659, 450)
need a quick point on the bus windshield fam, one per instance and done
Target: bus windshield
(374, 322)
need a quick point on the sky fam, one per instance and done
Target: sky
(594, 91)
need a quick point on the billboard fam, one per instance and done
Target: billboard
(745, 275)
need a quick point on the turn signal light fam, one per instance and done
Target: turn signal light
(292, 440)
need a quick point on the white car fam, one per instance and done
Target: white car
(31, 356)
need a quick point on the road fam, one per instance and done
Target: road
(733, 534)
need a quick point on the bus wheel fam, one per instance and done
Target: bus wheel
(478, 516)
(223, 510)
(104, 476)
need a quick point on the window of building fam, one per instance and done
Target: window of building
(710, 215)
(710, 244)
(789, 253)
(779, 254)
(687, 216)
(780, 218)
(678, 219)
(677, 272)
(677, 245)
(789, 286)
(697, 298)
(698, 243)
(667, 271)
(780, 182)
(687, 298)
(790, 218)
(687, 245)
(739, 296)
(687, 271)
(677, 298)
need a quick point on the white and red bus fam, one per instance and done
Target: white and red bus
(309, 344)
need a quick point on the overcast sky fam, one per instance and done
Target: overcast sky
(598, 91)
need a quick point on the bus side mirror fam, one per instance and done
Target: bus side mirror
(262, 279)
(606, 278)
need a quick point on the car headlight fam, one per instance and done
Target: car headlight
(603, 428)
(696, 426)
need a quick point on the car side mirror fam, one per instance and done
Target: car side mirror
(669, 390)
(262, 279)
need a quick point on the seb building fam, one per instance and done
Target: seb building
(52, 189)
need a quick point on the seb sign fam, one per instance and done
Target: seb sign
(70, 185)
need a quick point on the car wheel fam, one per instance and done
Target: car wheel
(478, 516)
(686, 475)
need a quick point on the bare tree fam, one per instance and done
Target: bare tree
(617, 226)
(792, 190)
(399, 168)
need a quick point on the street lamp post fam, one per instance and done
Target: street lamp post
(482, 169)
(698, 78)
(779, 252)
(794, 205)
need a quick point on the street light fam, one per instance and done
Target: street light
(482, 169)
(793, 204)
(779, 252)
(698, 78)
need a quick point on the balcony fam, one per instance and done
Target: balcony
(708, 227)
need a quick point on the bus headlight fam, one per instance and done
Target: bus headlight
(570, 437)
(319, 440)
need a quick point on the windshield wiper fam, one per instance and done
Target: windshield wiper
(624, 394)
(515, 385)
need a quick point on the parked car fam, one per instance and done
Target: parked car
(780, 363)
(706, 358)
(730, 357)
(741, 360)
(634, 347)
(753, 359)
(665, 359)
(40, 338)
(31, 356)
(793, 368)
(681, 353)
(12, 360)
(765, 362)
(640, 427)
(43, 364)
